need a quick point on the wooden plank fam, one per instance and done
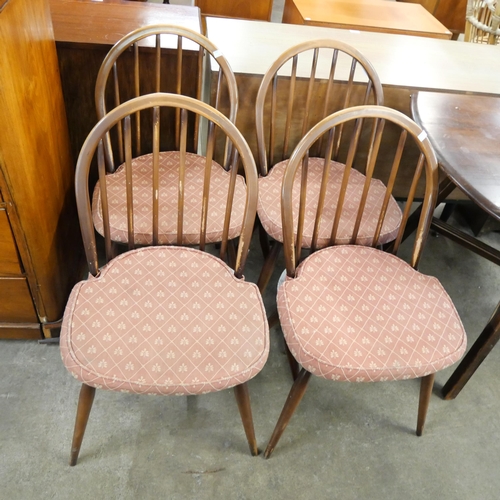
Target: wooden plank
(371, 15)
(20, 331)
(105, 22)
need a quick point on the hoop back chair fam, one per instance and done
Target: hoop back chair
(332, 76)
(482, 22)
(357, 313)
(158, 69)
(165, 319)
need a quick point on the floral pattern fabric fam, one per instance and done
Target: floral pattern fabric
(269, 208)
(142, 175)
(165, 320)
(358, 314)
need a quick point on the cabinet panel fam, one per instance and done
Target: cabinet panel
(20, 331)
(36, 170)
(9, 262)
(16, 304)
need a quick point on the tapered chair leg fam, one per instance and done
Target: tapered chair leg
(231, 254)
(243, 400)
(263, 239)
(426, 385)
(268, 267)
(294, 366)
(294, 398)
(85, 401)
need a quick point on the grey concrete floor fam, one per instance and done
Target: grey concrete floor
(349, 441)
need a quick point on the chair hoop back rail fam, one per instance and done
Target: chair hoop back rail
(304, 85)
(136, 40)
(373, 91)
(427, 164)
(184, 104)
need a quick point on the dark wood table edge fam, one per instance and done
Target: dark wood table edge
(491, 332)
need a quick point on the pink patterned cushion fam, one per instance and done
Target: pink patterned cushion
(358, 314)
(165, 320)
(143, 205)
(269, 208)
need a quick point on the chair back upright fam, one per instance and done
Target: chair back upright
(189, 110)
(482, 22)
(304, 85)
(373, 121)
(164, 58)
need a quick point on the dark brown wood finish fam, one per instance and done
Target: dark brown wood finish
(243, 400)
(94, 146)
(287, 105)
(136, 65)
(464, 131)
(292, 402)
(36, 173)
(426, 385)
(85, 402)
(376, 120)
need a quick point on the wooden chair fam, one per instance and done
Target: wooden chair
(482, 22)
(358, 313)
(166, 319)
(305, 84)
(156, 71)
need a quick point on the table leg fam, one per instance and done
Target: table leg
(445, 188)
(470, 363)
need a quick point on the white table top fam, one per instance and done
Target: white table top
(400, 60)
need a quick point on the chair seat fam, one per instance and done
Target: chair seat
(359, 314)
(165, 320)
(269, 208)
(142, 174)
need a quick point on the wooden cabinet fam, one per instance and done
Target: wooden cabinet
(450, 12)
(40, 248)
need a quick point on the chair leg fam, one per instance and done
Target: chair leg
(85, 401)
(426, 385)
(231, 254)
(273, 319)
(447, 211)
(263, 239)
(294, 365)
(268, 267)
(294, 398)
(243, 400)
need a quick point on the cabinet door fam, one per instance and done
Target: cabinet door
(16, 304)
(9, 260)
(35, 157)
